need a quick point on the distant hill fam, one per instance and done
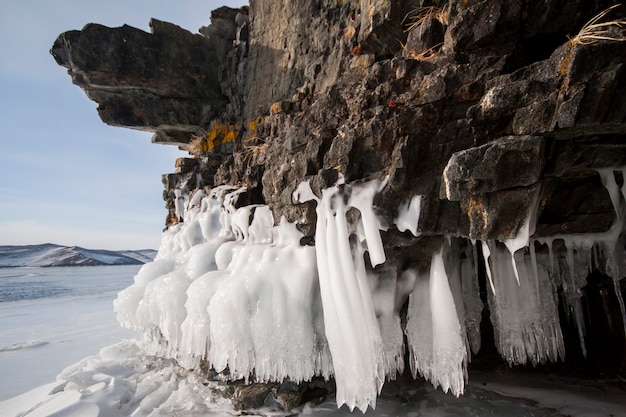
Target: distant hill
(49, 254)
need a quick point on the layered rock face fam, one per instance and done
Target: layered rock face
(506, 123)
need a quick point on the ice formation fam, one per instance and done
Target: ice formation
(408, 215)
(231, 288)
(351, 327)
(437, 345)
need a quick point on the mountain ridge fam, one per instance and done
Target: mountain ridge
(50, 254)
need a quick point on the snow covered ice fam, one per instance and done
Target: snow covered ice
(229, 287)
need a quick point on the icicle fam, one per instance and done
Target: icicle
(409, 215)
(620, 300)
(486, 254)
(623, 189)
(550, 243)
(419, 328)
(471, 297)
(464, 291)
(351, 326)
(384, 295)
(574, 292)
(450, 355)
(179, 203)
(362, 198)
(525, 315)
(522, 239)
(608, 181)
(514, 266)
(260, 230)
(533, 260)
(441, 359)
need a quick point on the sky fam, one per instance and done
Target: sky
(66, 177)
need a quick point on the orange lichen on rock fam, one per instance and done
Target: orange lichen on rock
(217, 135)
(252, 125)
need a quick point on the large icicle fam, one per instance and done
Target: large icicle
(437, 345)
(471, 296)
(351, 326)
(419, 328)
(385, 294)
(522, 238)
(524, 315)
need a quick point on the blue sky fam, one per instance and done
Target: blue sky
(66, 177)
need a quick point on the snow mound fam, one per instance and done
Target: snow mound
(120, 381)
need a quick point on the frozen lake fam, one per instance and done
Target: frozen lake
(53, 317)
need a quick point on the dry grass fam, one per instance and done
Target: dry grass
(594, 30)
(196, 141)
(419, 15)
(252, 152)
(426, 55)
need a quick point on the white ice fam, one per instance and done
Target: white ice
(222, 289)
(525, 314)
(409, 215)
(351, 327)
(230, 287)
(39, 337)
(437, 345)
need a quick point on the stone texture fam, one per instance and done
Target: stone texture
(157, 82)
(514, 161)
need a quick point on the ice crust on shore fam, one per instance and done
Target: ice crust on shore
(234, 291)
(231, 288)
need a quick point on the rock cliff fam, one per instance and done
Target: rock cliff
(494, 112)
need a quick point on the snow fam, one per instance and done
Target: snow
(122, 381)
(119, 381)
(43, 331)
(56, 255)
